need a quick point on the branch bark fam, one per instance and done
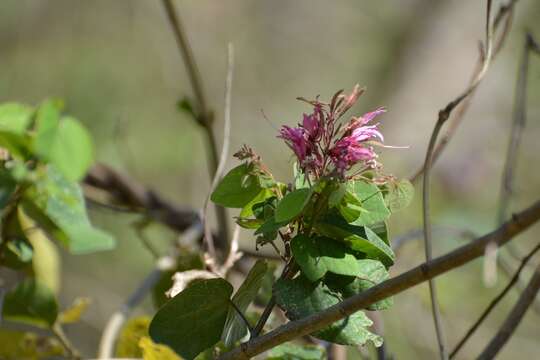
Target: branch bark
(413, 277)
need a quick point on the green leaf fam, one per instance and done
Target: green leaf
(71, 149)
(7, 187)
(300, 298)
(318, 255)
(292, 204)
(15, 118)
(193, 320)
(371, 273)
(400, 196)
(237, 188)
(290, 351)
(58, 205)
(47, 122)
(359, 238)
(18, 253)
(337, 195)
(372, 202)
(247, 211)
(31, 303)
(300, 181)
(234, 328)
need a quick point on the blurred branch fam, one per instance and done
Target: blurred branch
(505, 13)
(58, 332)
(495, 301)
(124, 190)
(444, 114)
(393, 286)
(204, 116)
(514, 318)
(416, 234)
(518, 125)
(224, 151)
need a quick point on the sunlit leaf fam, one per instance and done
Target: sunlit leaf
(300, 298)
(127, 345)
(318, 255)
(193, 320)
(237, 188)
(15, 118)
(292, 204)
(153, 351)
(75, 311)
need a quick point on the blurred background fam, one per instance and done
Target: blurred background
(117, 66)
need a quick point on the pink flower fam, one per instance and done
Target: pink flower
(294, 138)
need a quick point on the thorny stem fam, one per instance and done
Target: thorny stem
(393, 286)
(495, 301)
(205, 115)
(444, 114)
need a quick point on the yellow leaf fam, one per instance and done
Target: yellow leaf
(17, 345)
(46, 260)
(153, 351)
(128, 342)
(75, 311)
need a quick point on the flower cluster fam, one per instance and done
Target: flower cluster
(324, 147)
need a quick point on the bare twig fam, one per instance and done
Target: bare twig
(444, 114)
(505, 12)
(495, 301)
(518, 125)
(514, 318)
(205, 116)
(224, 150)
(413, 277)
(128, 193)
(58, 332)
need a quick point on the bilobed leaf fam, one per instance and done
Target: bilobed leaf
(400, 196)
(15, 118)
(372, 202)
(318, 255)
(32, 303)
(371, 273)
(193, 320)
(71, 148)
(292, 204)
(234, 328)
(237, 188)
(358, 238)
(61, 202)
(300, 298)
(290, 351)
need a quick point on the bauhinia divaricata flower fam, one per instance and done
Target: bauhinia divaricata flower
(325, 148)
